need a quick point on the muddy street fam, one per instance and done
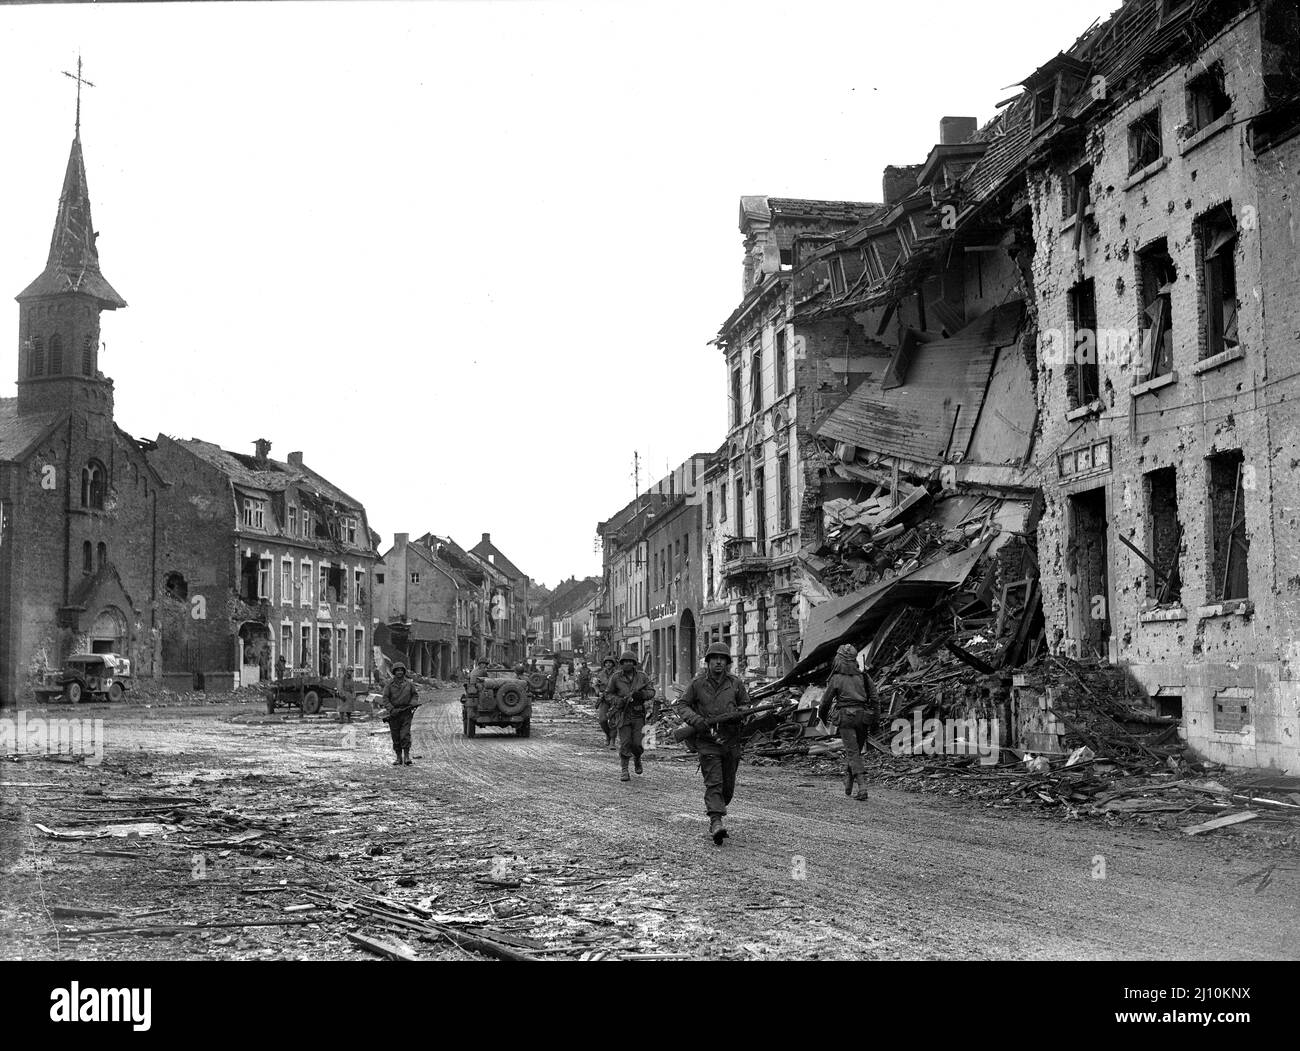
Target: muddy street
(305, 823)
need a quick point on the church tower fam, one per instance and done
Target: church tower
(58, 319)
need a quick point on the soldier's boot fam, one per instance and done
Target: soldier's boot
(406, 756)
(862, 789)
(625, 775)
(848, 782)
(716, 830)
(397, 759)
(636, 764)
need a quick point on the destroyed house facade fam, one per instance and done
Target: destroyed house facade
(486, 603)
(769, 372)
(78, 500)
(1162, 185)
(422, 605)
(261, 563)
(922, 416)
(512, 626)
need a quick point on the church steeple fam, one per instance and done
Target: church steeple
(58, 359)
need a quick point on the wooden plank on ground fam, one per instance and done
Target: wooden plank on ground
(1220, 822)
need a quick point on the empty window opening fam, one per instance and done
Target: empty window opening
(1082, 374)
(760, 510)
(1229, 544)
(176, 586)
(325, 649)
(1207, 100)
(87, 558)
(740, 506)
(1169, 706)
(92, 485)
(783, 483)
(756, 380)
(1085, 564)
(1156, 277)
(1045, 104)
(249, 568)
(88, 356)
(722, 502)
(101, 554)
(1216, 236)
(1164, 582)
(780, 362)
(735, 397)
(1077, 195)
(1145, 146)
(336, 583)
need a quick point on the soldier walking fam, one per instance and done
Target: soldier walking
(853, 695)
(607, 667)
(626, 694)
(401, 699)
(716, 693)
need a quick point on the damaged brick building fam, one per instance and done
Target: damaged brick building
(258, 560)
(1163, 207)
(200, 565)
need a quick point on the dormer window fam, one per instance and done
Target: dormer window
(254, 512)
(838, 284)
(1045, 104)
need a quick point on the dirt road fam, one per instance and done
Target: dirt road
(541, 838)
(809, 872)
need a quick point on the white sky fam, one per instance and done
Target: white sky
(466, 256)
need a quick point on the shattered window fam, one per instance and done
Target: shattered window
(1216, 235)
(1164, 581)
(1207, 100)
(1156, 277)
(254, 512)
(1144, 143)
(1229, 542)
(780, 362)
(1082, 374)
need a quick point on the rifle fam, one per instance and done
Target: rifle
(686, 730)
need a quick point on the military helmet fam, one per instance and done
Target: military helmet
(847, 652)
(608, 660)
(399, 666)
(718, 650)
(628, 655)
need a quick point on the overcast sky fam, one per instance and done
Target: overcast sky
(465, 256)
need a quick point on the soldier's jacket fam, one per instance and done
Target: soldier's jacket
(706, 699)
(400, 694)
(624, 693)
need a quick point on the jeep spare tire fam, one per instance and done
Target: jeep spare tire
(537, 681)
(511, 699)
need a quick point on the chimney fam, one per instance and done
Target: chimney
(487, 538)
(401, 539)
(899, 182)
(261, 450)
(295, 459)
(955, 130)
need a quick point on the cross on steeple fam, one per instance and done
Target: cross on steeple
(80, 80)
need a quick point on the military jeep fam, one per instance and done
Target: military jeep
(501, 699)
